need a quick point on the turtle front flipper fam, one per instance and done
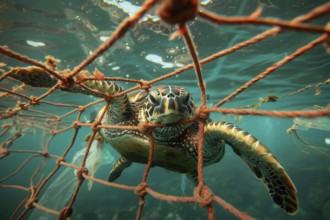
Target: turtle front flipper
(118, 168)
(260, 160)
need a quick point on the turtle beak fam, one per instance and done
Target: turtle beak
(169, 118)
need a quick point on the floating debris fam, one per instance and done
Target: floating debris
(35, 43)
(304, 124)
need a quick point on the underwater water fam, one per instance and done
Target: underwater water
(71, 30)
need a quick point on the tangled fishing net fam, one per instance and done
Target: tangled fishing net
(57, 180)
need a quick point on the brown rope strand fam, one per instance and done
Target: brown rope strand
(6, 51)
(126, 25)
(280, 114)
(193, 54)
(52, 124)
(262, 21)
(274, 67)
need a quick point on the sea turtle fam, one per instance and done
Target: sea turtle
(175, 146)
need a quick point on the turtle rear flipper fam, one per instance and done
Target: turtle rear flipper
(32, 76)
(118, 168)
(38, 77)
(260, 160)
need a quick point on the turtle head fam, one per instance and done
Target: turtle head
(168, 105)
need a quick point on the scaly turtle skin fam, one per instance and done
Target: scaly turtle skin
(175, 146)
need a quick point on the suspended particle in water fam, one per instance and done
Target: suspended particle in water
(103, 38)
(127, 76)
(327, 141)
(172, 51)
(127, 47)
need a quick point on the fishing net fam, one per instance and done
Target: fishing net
(54, 180)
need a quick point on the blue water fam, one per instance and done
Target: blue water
(70, 30)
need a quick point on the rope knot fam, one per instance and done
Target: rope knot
(144, 128)
(178, 12)
(4, 152)
(80, 172)
(65, 213)
(45, 154)
(66, 83)
(144, 85)
(34, 101)
(23, 106)
(203, 195)
(108, 97)
(59, 160)
(29, 203)
(140, 190)
(94, 126)
(81, 108)
(76, 124)
(202, 114)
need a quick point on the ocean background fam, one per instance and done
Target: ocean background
(71, 30)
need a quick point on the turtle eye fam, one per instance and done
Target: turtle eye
(152, 99)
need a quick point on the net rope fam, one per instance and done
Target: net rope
(27, 116)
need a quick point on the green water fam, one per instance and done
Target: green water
(70, 30)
